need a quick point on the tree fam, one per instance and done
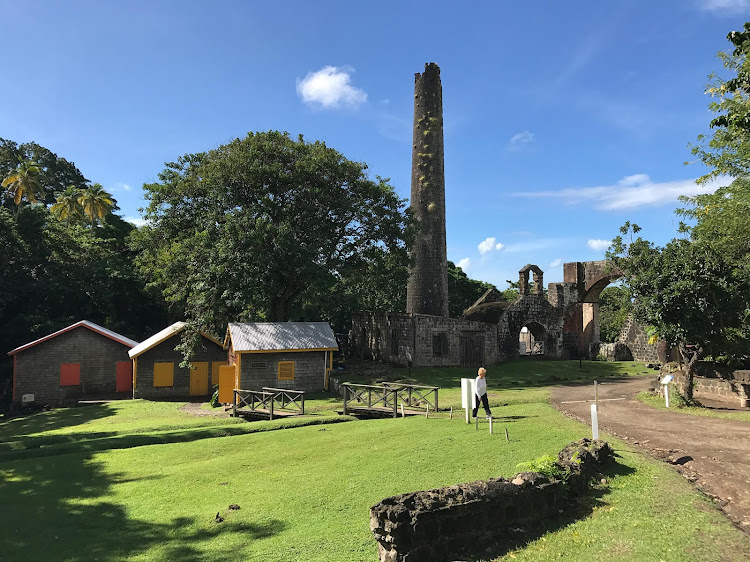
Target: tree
(96, 202)
(690, 293)
(462, 290)
(23, 183)
(614, 307)
(55, 173)
(257, 226)
(68, 205)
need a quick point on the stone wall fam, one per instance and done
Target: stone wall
(610, 351)
(453, 522)
(635, 337)
(393, 337)
(261, 370)
(207, 352)
(713, 381)
(37, 369)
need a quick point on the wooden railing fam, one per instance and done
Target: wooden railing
(269, 400)
(414, 395)
(388, 396)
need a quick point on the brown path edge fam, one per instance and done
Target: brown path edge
(712, 453)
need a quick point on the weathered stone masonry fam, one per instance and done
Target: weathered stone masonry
(427, 290)
(449, 523)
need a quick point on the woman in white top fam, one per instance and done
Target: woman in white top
(481, 385)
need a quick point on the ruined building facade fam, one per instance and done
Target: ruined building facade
(561, 324)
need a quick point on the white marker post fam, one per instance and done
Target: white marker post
(665, 383)
(594, 422)
(467, 397)
(402, 410)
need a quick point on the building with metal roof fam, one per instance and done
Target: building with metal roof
(287, 355)
(82, 360)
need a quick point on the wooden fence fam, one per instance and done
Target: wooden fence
(271, 401)
(387, 396)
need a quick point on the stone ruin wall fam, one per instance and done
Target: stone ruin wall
(388, 336)
(459, 521)
(713, 381)
(635, 337)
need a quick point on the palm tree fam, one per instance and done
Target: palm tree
(95, 202)
(24, 183)
(68, 204)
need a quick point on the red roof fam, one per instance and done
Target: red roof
(84, 324)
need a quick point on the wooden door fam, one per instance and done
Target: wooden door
(124, 376)
(199, 379)
(471, 349)
(226, 384)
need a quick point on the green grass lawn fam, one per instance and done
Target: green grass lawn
(678, 406)
(305, 492)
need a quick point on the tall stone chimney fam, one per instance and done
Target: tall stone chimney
(427, 291)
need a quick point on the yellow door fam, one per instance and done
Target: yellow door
(226, 384)
(199, 379)
(215, 371)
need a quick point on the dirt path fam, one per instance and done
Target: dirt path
(712, 453)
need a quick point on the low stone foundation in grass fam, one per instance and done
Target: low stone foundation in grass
(445, 523)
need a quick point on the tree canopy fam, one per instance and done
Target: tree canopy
(695, 291)
(265, 224)
(55, 173)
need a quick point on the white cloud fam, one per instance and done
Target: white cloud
(119, 186)
(329, 87)
(630, 192)
(489, 244)
(524, 137)
(599, 245)
(137, 221)
(557, 262)
(464, 263)
(728, 6)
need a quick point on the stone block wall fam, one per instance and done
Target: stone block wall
(451, 523)
(389, 336)
(37, 369)
(635, 337)
(261, 370)
(713, 381)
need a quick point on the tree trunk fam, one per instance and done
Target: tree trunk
(690, 360)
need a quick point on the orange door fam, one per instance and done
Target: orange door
(124, 378)
(226, 384)
(199, 379)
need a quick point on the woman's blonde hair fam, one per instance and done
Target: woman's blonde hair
(481, 370)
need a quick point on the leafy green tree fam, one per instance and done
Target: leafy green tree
(23, 183)
(255, 227)
(614, 307)
(55, 173)
(96, 203)
(690, 293)
(67, 206)
(462, 290)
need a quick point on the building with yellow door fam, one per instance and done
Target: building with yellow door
(157, 374)
(287, 355)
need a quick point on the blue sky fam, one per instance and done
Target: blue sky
(563, 120)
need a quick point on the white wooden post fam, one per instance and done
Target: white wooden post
(594, 422)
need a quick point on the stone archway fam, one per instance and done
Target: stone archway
(532, 339)
(590, 278)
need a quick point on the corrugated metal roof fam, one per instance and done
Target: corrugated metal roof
(85, 324)
(279, 336)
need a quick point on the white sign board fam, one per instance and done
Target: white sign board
(26, 398)
(468, 390)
